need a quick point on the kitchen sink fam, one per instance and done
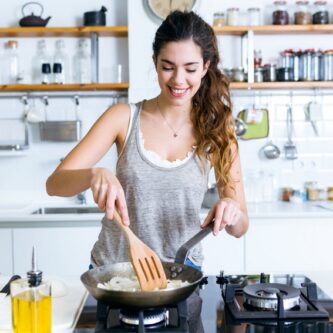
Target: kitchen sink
(67, 210)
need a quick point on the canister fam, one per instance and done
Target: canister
(233, 16)
(321, 15)
(238, 74)
(258, 74)
(253, 16)
(327, 65)
(269, 73)
(302, 13)
(280, 14)
(330, 193)
(218, 20)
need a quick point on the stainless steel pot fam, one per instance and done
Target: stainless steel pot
(145, 299)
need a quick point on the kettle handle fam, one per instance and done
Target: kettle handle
(35, 3)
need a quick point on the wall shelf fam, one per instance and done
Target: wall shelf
(64, 87)
(281, 85)
(101, 31)
(275, 29)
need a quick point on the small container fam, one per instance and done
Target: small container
(233, 16)
(302, 13)
(254, 16)
(327, 65)
(218, 20)
(322, 195)
(269, 73)
(46, 73)
(286, 193)
(284, 74)
(57, 73)
(238, 74)
(311, 189)
(321, 15)
(258, 74)
(298, 196)
(311, 65)
(287, 58)
(280, 13)
(330, 193)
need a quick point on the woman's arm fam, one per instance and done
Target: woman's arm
(230, 211)
(76, 172)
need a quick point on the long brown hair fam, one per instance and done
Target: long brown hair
(211, 114)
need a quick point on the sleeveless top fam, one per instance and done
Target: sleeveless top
(163, 203)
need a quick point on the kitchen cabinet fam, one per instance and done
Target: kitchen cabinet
(289, 244)
(60, 250)
(247, 34)
(6, 253)
(92, 32)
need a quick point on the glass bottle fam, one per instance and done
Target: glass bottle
(61, 57)
(57, 73)
(41, 57)
(302, 13)
(321, 15)
(46, 73)
(82, 63)
(11, 68)
(280, 13)
(31, 303)
(233, 16)
(218, 20)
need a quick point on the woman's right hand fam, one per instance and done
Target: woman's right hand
(109, 194)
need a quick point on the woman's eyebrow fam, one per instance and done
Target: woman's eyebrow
(186, 64)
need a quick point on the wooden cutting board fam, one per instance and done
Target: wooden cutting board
(66, 308)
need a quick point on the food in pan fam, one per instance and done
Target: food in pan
(120, 283)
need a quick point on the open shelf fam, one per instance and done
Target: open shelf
(282, 85)
(103, 31)
(275, 29)
(64, 87)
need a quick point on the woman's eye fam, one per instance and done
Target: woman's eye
(167, 68)
(191, 70)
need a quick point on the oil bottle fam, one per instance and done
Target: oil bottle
(31, 302)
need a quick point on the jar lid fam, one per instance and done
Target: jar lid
(219, 13)
(328, 51)
(46, 68)
(57, 68)
(270, 65)
(280, 2)
(231, 9)
(253, 9)
(302, 2)
(320, 2)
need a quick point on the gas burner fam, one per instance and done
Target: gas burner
(150, 316)
(265, 296)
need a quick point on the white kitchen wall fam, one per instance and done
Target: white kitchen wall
(22, 179)
(263, 177)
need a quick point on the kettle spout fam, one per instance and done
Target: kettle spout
(47, 20)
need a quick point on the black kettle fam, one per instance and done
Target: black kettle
(95, 18)
(33, 20)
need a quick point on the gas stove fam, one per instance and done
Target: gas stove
(228, 303)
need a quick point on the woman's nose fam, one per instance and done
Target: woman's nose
(178, 77)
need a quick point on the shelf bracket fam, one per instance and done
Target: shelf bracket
(94, 57)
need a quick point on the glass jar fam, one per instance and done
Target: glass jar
(284, 74)
(11, 68)
(269, 73)
(330, 193)
(258, 74)
(82, 62)
(286, 193)
(327, 63)
(238, 74)
(218, 20)
(311, 189)
(321, 15)
(280, 13)
(302, 13)
(253, 15)
(233, 16)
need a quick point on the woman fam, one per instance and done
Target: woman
(166, 147)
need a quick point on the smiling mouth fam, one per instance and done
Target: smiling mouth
(178, 92)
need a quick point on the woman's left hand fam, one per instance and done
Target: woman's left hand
(226, 212)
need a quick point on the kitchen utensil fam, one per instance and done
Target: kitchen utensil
(240, 127)
(313, 112)
(146, 263)
(95, 18)
(211, 196)
(146, 299)
(271, 151)
(290, 150)
(6, 289)
(257, 128)
(33, 20)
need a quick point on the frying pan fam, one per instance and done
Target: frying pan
(145, 299)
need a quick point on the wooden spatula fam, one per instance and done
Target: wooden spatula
(146, 263)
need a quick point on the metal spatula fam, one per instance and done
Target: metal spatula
(146, 263)
(290, 150)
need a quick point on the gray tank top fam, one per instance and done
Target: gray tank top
(163, 204)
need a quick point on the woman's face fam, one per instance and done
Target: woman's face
(180, 69)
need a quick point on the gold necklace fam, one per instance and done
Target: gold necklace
(175, 132)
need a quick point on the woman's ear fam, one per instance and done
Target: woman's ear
(205, 68)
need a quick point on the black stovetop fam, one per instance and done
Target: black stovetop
(215, 316)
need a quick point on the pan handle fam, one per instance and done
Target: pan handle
(183, 251)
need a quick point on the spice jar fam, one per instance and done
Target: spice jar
(253, 15)
(269, 73)
(286, 193)
(327, 65)
(320, 15)
(233, 16)
(280, 13)
(218, 20)
(258, 74)
(302, 14)
(311, 189)
(330, 193)
(238, 74)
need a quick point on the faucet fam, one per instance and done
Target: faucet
(81, 198)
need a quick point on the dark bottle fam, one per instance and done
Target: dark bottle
(280, 13)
